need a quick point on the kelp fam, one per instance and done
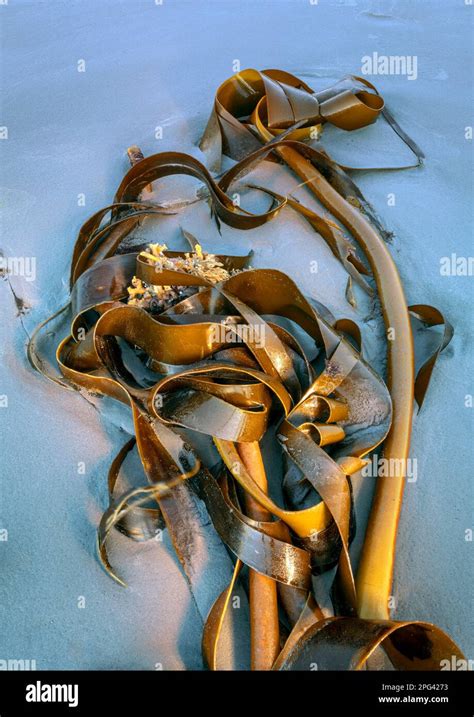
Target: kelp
(221, 356)
(254, 102)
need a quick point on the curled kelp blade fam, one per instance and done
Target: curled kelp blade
(332, 486)
(285, 149)
(345, 375)
(346, 643)
(96, 242)
(350, 328)
(429, 316)
(106, 281)
(116, 514)
(264, 546)
(168, 163)
(136, 522)
(215, 621)
(229, 261)
(299, 605)
(232, 411)
(275, 100)
(37, 358)
(342, 249)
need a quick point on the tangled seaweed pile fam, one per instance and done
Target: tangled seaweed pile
(146, 330)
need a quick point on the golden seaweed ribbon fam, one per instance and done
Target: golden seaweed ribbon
(268, 103)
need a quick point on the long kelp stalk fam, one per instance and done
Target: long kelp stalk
(263, 598)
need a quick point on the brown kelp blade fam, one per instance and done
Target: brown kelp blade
(346, 643)
(275, 100)
(429, 316)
